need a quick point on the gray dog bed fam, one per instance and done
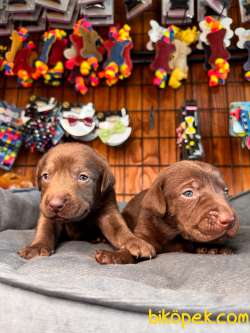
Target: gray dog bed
(70, 292)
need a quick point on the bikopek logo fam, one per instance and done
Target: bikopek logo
(199, 318)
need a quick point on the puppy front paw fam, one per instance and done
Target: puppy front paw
(104, 257)
(226, 251)
(139, 248)
(32, 251)
(215, 250)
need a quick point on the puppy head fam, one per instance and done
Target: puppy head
(193, 196)
(72, 179)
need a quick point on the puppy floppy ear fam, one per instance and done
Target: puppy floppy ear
(154, 200)
(108, 180)
(39, 169)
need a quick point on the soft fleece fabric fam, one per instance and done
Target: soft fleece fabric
(44, 290)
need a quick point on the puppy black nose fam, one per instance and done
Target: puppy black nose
(57, 203)
(226, 220)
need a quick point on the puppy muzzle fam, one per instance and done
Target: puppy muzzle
(62, 208)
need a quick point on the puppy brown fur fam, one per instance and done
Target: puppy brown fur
(78, 203)
(186, 204)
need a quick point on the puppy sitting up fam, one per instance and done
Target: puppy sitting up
(78, 203)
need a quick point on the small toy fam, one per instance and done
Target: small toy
(50, 63)
(216, 33)
(165, 48)
(239, 122)
(84, 56)
(219, 74)
(155, 34)
(244, 43)
(17, 39)
(172, 49)
(183, 39)
(118, 65)
(20, 58)
(24, 64)
(188, 133)
(10, 143)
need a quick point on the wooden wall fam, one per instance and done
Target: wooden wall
(138, 162)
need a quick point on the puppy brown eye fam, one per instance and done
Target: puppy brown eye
(45, 176)
(188, 194)
(83, 178)
(226, 190)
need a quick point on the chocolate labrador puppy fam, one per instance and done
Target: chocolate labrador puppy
(185, 207)
(78, 203)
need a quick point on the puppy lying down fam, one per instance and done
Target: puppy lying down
(185, 209)
(78, 203)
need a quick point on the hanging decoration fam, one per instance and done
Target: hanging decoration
(215, 37)
(50, 63)
(44, 123)
(172, 46)
(118, 65)
(20, 57)
(244, 43)
(41, 124)
(239, 122)
(188, 132)
(84, 56)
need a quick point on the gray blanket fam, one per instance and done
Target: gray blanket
(180, 281)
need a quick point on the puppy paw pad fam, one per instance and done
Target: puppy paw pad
(140, 248)
(226, 251)
(202, 250)
(104, 257)
(30, 252)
